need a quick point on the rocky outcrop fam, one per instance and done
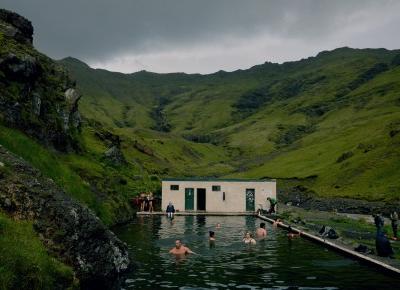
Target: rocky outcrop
(37, 95)
(113, 154)
(16, 26)
(68, 229)
(143, 148)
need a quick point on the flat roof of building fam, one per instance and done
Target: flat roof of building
(210, 179)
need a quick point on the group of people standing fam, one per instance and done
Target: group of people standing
(146, 200)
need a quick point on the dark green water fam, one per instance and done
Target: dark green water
(275, 262)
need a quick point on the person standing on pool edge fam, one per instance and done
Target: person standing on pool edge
(394, 217)
(150, 198)
(379, 221)
(272, 202)
(142, 201)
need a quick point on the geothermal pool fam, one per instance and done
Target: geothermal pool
(275, 262)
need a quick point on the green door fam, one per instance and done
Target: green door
(189, 198)
(250, 199)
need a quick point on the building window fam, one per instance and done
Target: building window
(174, 187)
(216, 188)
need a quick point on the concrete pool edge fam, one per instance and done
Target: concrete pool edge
(190, 213)
(338, 248)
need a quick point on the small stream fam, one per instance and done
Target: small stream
(275, 262)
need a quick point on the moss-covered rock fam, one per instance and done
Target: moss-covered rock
(69, 230)
(36, 93)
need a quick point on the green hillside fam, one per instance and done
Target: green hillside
(329, 123)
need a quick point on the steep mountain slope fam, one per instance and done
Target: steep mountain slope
(328, 123)
(45, 209)
(40, 121)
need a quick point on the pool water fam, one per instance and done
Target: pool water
(275, 262)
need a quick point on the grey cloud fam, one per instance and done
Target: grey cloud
(99, 30)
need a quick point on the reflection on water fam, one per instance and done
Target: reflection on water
(275, 262)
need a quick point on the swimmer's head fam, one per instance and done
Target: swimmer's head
(247, 235)
(212, 234)
(178, 244)
(218, 225)
(262, 225)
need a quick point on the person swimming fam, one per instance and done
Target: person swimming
(276, 223)
(180, 249)
(218, 226)
(211, 237)
(292, 233)
(248, 239)
(261, 231)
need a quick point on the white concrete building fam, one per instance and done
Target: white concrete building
(217, 195)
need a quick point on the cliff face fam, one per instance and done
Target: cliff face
(38, 97)
(36, 94)
(68, 229)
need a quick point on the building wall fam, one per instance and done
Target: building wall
(235, 194)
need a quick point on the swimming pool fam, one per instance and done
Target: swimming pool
(275, 262)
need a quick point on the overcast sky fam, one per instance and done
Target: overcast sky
(204, 35)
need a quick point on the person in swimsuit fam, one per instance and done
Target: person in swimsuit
(150, 198)
(292, 233)
(211, 237)
(276, 223)
(142, 201)
(180, 249)
(248, 239)
(261, 231)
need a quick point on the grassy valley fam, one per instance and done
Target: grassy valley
(328, 122)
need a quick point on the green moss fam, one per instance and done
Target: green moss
(51, 164)
(24, 262)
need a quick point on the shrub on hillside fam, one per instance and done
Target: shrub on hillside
(291, 133)
(344, 156)
(396, 60)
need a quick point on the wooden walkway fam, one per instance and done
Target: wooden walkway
(339, 248)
